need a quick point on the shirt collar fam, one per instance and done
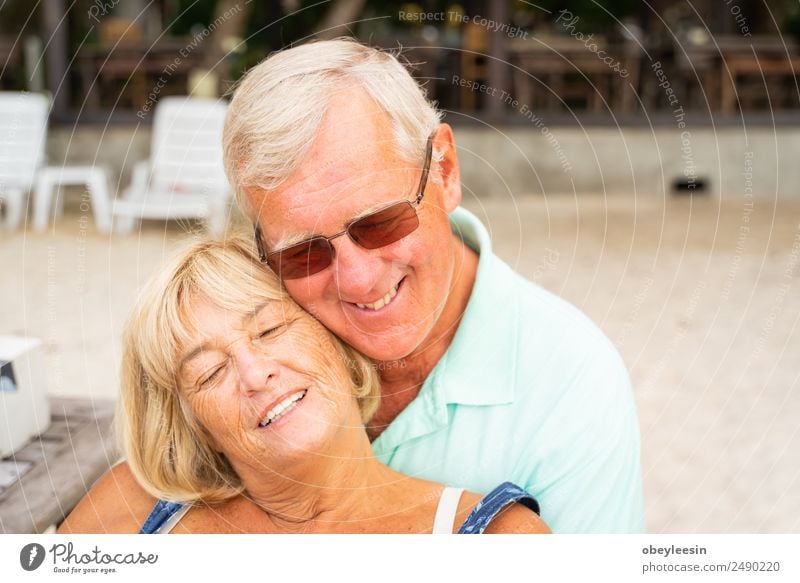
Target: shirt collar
(479, 366)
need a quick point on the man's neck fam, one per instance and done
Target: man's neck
(401, 384)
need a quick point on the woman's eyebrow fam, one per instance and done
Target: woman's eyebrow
(196, 351)
(255, 312)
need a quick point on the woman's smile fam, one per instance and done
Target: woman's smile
(280, 409)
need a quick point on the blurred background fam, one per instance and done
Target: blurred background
(639, 159)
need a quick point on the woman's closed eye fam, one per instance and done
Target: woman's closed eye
(211, 376)
(270, 331)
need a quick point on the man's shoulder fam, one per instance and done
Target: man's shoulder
(549, 324)
(565, 365)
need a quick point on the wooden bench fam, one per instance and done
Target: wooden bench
(44, 480)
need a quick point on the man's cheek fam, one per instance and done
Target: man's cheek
(407, 252)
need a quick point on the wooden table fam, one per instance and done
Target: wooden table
(718, 62)
(43, 481)
(161, 69)
(737, 66)
(550, 60)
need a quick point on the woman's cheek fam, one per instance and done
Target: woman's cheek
(311, 345)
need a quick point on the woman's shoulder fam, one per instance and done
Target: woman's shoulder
(116, 504)
(508, 509)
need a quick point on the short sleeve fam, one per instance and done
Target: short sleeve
(590, 481)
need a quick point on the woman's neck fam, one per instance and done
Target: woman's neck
(346, 490)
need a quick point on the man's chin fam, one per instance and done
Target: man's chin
(384, 348)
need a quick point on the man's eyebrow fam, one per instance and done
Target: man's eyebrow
(285, 242)
(372, 208)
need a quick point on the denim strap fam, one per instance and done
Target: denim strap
(160, 514)
(491, 505)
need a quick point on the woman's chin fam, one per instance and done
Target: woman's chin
(307, 429)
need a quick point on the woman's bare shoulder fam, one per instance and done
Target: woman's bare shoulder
(116, 503)
(238, 515)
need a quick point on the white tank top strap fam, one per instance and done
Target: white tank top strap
(446, 511)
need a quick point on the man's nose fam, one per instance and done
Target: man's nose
(257, 371)
(356, 270)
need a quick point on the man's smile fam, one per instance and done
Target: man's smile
(381, 303)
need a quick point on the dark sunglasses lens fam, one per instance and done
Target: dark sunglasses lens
(385, 226)
(303, 259)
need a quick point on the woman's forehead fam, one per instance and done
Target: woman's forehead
(200, 309)
(205, 322)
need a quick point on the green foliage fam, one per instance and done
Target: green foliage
(188, 13)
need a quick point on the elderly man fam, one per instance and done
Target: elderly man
(354, 187)
(484, 376)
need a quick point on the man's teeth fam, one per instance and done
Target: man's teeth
(284, 406)
(381, 302)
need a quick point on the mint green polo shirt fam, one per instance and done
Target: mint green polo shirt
(530, 391)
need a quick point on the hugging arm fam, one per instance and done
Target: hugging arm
(517, 519)
(117, 504)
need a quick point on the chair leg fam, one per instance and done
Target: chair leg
(98, 190)
(43, 194)
(59, 202)
(13, 198)
(124, 225)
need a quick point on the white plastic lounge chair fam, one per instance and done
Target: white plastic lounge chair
(23, 132)
(184, 177)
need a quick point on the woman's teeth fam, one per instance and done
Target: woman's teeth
(281, 408)
(381, 302)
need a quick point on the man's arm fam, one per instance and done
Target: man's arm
(517, 519)
(590, 481)
(116, 504)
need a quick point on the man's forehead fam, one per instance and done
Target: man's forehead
(322, 201)
(304, 221)
(347, 171)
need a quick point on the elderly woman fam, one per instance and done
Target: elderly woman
(233, 395)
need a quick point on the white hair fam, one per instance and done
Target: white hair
(278, 106)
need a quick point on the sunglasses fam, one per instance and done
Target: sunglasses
(377, 229)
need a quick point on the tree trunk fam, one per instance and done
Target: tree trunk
(340, 19)
(229, 21)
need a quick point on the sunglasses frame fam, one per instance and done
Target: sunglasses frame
(423, 182)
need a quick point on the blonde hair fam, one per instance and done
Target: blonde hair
(168, 450)
(278, 106)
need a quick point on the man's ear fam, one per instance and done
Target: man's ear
(444, 147)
